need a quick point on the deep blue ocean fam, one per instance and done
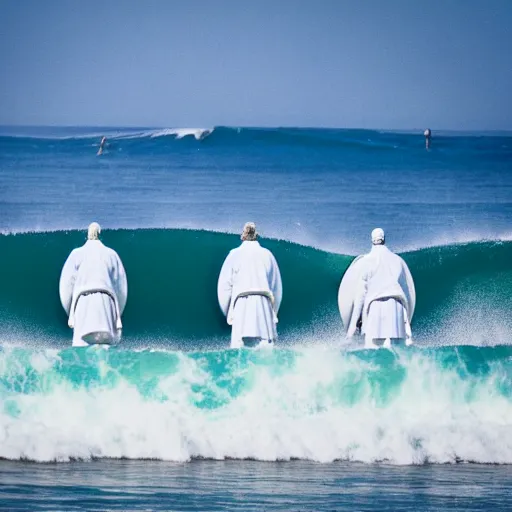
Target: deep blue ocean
(174, 420)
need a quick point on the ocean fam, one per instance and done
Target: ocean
(171, 419)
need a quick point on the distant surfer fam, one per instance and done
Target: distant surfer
(250, 291)
(382, 297)
(102, 145)
(93, 291)
(428, 136)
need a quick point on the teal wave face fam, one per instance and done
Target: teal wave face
(463, 292)
(172, 283)
(409, 406)
(155, 140)
(172, 278)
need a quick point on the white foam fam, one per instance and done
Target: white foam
(303, 411)
(179, 133)
(464, 237)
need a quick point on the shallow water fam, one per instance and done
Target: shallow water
(252, 486)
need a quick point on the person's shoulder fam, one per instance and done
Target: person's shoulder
(393, 253)
(267, 252)
(111, 252)
(396, 257)
(232, 254)
(76, 251)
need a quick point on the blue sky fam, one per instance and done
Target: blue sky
(369, 64)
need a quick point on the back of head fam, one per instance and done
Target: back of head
(378, 237)
(93, 232)
(249, 234)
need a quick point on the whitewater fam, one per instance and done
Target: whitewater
(309, 403)
(172, 405)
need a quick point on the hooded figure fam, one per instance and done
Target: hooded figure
(93, 291)
(250, 291)
(383, 299)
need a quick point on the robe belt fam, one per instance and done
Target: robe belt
(408, 332)
(269, 295)
(71, 320)
(261, 293)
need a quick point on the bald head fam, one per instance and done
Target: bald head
(93, 232)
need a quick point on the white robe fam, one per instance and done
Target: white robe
(250, 270)
(93, 291)
(382, 297)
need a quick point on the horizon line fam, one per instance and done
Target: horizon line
(257, 127)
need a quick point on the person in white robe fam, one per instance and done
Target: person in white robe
(382, 297)
(250, 292)
(93, 290)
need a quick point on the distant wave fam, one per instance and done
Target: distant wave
(348, 141)
(176, 133)
(197, 133)
(113, 134)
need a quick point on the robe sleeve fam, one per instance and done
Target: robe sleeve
(362, 288)
(120, 282)
(67, 281)
(225, 284)
(276, 285)
(404, 284)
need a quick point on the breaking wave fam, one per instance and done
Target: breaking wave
(171, 391)
(411, 406)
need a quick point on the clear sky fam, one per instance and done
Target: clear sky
(361, 63)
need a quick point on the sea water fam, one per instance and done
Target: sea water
(174, 420)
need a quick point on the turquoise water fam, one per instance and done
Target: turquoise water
(411, 406)
(172, 419)
(173, 289)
